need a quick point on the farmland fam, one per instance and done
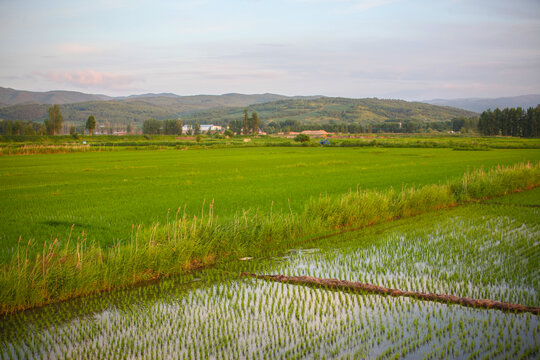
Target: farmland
(77, 224)
(487, 249)
(105, 193)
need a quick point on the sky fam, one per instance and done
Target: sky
(406, 49)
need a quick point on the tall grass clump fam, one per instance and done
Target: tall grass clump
(482, 184)
(66, 268)
(33, 149)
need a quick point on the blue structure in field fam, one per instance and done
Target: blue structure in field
(325, 141)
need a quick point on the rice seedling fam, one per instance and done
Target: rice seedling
(479, 252)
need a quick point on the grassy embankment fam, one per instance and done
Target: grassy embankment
(184, 243)
(28, 145)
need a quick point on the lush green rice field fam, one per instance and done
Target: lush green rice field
(480, 250)
(42, 196)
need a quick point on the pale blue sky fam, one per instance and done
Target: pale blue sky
(409, 49)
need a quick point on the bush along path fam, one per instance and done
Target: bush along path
(336, 284)
(68, 268)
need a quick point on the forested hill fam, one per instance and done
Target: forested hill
(10, 96)
(135, 108)
(339, 110)
(224, 108)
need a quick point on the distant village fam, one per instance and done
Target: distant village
(209, 128)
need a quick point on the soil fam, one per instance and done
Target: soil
(375, 289)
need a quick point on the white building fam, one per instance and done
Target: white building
(204, 128)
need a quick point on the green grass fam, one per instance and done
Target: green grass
(104, 194)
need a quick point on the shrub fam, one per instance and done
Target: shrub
(301, 138)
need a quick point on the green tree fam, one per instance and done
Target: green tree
(196, 129)
(170, 127)
(17, 128)
(255, 122)
(179, 124)
(6, 127)
(505, 122)
(302, 138)
(486, 124)
(228, 133)
(246, 122)
(91, 124)
(151, 127)
(236, 126)
(509, 122)
(54, 122)
(29, 129)
(532, 122)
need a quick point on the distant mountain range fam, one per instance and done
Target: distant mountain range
(218, 109)
(14, 97)
(479, 104)
(10, 97)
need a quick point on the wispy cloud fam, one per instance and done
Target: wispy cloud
(77, 49)
(414, 49)
(90, 79)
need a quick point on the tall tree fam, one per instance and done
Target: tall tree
(170, 127)
(485, 124)
(496, 122)
(152, 127)
(196, 129)
(91, 124)
(511, 122)
(236, 126)
(505, 123)
(179, 124)
(54, 122)
(246, 122)
(255, 122)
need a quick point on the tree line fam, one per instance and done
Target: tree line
(510, 122)
(51, 126)
(459, 124)
(10, 127)
(248, 125)
(162, 127)
(506, 122)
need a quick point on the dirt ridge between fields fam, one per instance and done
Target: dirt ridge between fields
(376, 289)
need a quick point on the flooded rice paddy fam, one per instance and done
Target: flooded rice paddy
(480, 251)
